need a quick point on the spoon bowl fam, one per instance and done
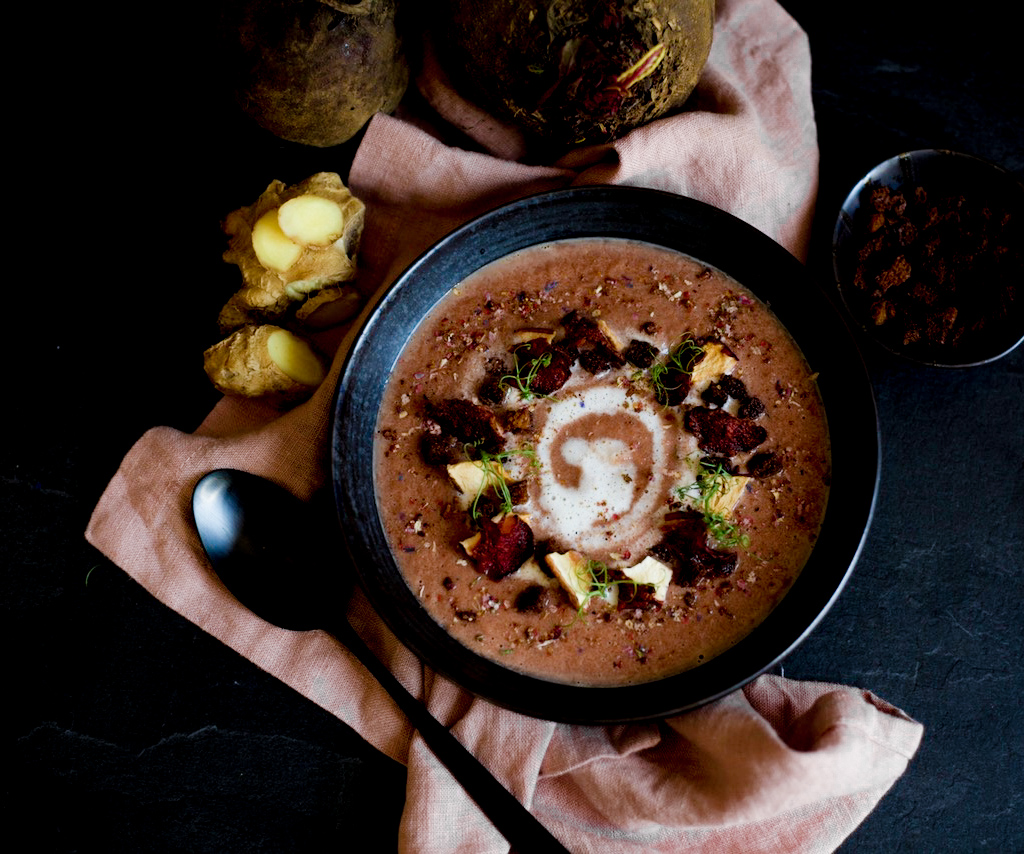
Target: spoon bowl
(280, 557)
(260, 539)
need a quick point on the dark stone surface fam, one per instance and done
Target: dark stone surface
(132, 730)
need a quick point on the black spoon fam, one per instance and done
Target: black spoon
(281, 558)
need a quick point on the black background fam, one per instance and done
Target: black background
(132, 730)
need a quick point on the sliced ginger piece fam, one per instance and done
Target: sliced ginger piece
(273, 248)
(311, 220)
(264, 362)
(295, 357)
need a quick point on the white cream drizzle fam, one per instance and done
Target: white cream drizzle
(610, 509)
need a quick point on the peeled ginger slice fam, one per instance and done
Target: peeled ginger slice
(295, 357)
(273, 248)
(311, 220)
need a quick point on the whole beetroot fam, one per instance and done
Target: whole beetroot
(315, 71)
(571, 72)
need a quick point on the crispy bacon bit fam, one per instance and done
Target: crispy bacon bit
(721, 433)
(504, 546)
(469, 422)
(685, 548)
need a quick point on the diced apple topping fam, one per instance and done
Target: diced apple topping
(570, 568)
(474, 476)
(724, 500)
(653, 573)
(717, 362)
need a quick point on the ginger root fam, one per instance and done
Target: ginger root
(265, 361)
(329, 307)
(292, 242)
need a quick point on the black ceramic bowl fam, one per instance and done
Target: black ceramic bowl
(716, 239)
(915, 321)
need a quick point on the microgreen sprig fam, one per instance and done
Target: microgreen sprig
(597, 578)
(713, 480)
(681, 360)
(492, 465)
(524, 373)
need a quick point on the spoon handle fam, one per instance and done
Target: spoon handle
(516, 823)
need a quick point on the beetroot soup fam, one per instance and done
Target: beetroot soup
(601, 462)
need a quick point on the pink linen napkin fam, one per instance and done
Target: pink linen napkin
(781, 766)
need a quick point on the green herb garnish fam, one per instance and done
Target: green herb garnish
(681, 360)
(711, 482)
(492, 465)
(597, 577)
(524, 373)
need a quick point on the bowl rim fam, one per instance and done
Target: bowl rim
(900, 170)
(721, 240)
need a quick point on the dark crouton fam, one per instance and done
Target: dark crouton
(640, 354)
(751, 408)
(503, 547)
(598, 359)
(734, 387)
(519, 492)
(672, 387)
(895, 274)
(469, 422)
(713, 463)
(494, 387)
(582, 331)
(441, 449)
(597, 352)
(637, 596)
(542, 368)
(715, 395)
(534, 599)
(684, 547)
(721, 433)
(764, 464)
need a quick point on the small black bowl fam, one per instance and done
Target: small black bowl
(988, 302)
(716, 239)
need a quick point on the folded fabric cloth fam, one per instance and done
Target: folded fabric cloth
(779, 766)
